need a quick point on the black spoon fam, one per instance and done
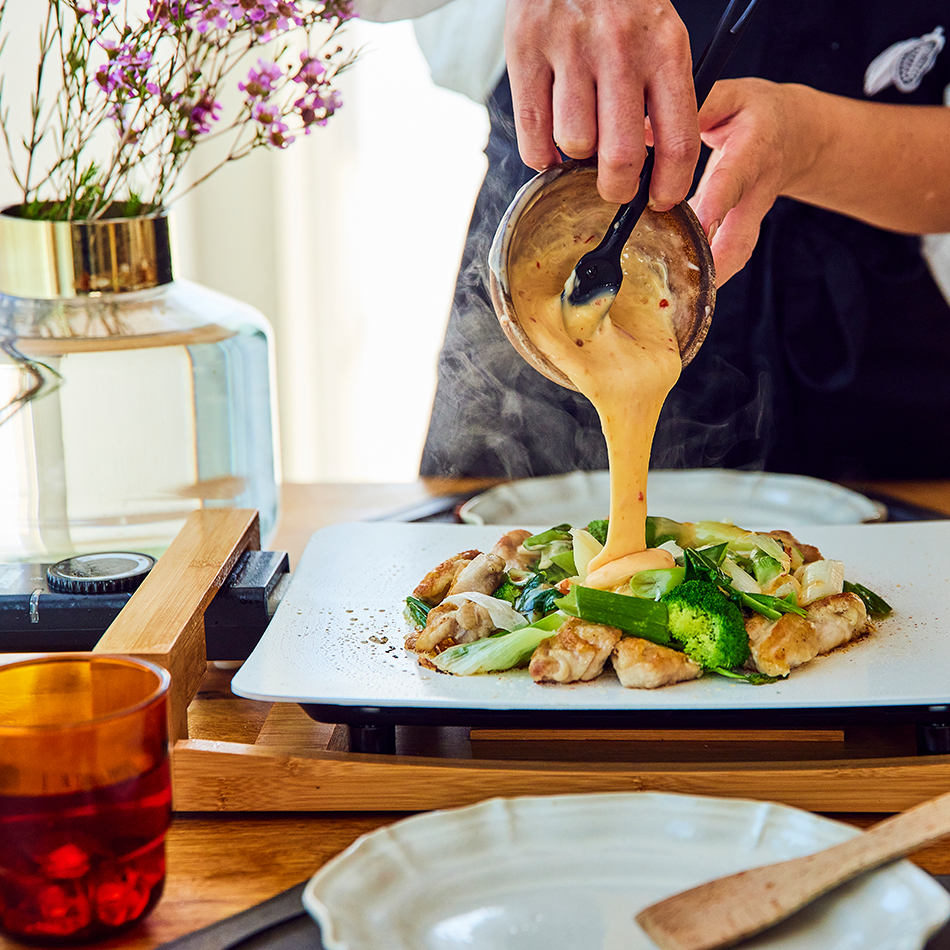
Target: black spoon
(595, 281)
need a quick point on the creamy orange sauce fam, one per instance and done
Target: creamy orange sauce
(625, 362)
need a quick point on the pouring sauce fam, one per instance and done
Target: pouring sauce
(624, 357)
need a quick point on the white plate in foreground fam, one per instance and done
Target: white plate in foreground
(571, 872)
(752, 499)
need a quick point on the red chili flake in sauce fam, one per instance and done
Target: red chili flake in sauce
(664, 303)
(537, 264)
(640, 496)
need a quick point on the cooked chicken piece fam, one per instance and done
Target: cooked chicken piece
(778, 646)
(474, 622)
(805, 552)
(435, 585)
(576, 652)
(515, 556)
(441, 623)
(465, 621)
(482, 574)
(462, 622)
(641, 664)
(838, 619)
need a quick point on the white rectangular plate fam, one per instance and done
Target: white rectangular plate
(337, 637)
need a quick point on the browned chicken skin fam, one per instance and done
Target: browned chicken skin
(778, 646)
(509, 547)
(577, 652)
(466, 621)
(482, 574)
(781, 645)
(641, 664)
(838, 619)
(435, 585)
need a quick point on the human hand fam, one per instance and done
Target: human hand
(754, 128)
(583, 71)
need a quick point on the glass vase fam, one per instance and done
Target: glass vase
(127, 398)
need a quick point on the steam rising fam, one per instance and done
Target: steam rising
(496, 416)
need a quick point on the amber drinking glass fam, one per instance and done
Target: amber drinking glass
(85, 795)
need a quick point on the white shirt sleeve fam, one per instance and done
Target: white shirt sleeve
(464, 44)
(385, 11)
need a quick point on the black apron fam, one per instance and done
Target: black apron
(828, 354)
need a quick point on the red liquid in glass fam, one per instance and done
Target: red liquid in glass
(83, 865)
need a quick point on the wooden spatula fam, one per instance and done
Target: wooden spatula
(723, 912)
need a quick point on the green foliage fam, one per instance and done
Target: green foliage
(876, 605)
(537, 600)
(507, 591)
(418, 610)
(753, 679)
(598, 529)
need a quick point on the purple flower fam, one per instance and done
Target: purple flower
(277, 135)
(266, 114)
(311, 72)
(270, 17)
(315, 107)
(262, 81)
(126, 67)
(169, 12)
(219, 15)
(199, 116)
(97, 9)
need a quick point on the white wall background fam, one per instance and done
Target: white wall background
(348, 241)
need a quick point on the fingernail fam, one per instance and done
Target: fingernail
(711, 233)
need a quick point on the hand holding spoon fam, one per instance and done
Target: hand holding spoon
(723, 912)
(595, 282)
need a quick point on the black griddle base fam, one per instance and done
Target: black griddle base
(372, 729)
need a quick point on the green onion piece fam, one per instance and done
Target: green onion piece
(565, 561)
(875, 604)
(769, 606)
(561, 532)
(553, 574)
(765, 568)
(659, 530)
(653, 584)
(641, 618)
(418, 610)
(753, 679)
(503, 651)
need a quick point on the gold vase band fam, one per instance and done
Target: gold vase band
(54, 259)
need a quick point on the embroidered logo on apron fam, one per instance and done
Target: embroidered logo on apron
(904, 64)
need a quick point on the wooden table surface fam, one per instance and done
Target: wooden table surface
(221, 864)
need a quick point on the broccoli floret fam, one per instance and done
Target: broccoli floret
(507, 591)
(708, 625)
(598, 529)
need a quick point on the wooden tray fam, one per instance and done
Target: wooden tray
(232, 754)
